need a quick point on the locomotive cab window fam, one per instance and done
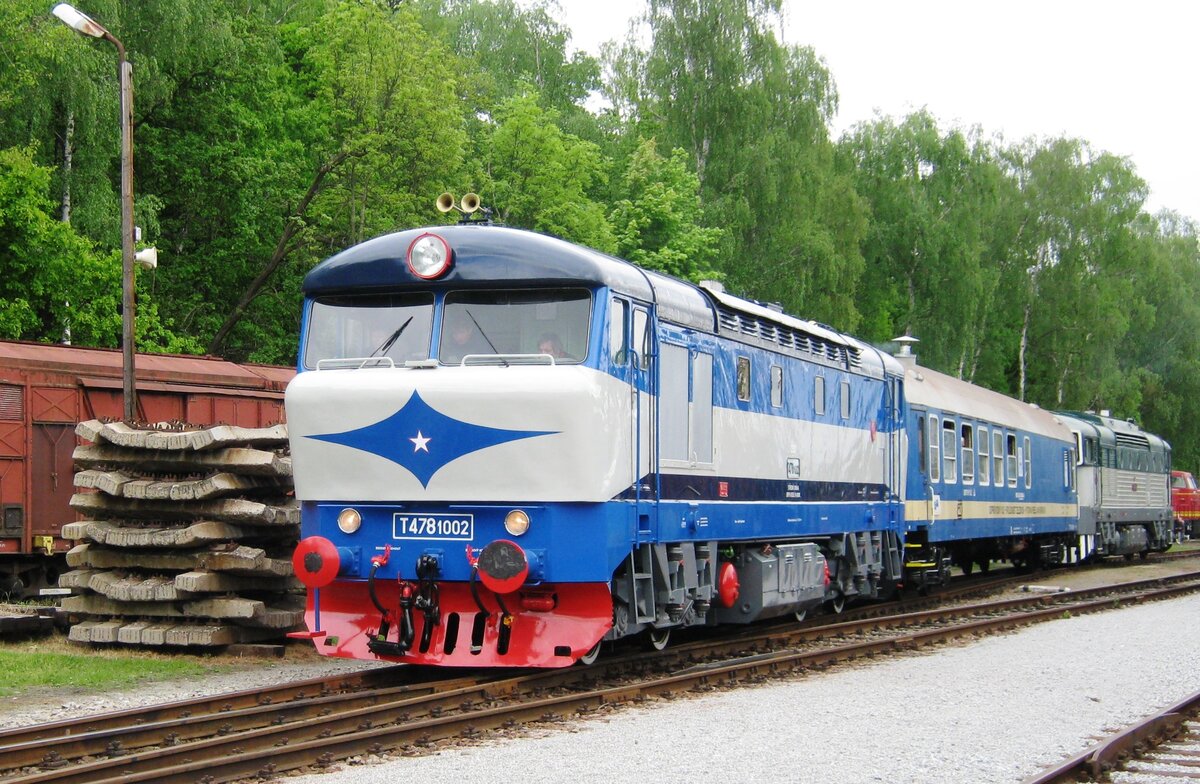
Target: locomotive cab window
(396, 326)
(618, 336)
(499, 325)
(743, 378)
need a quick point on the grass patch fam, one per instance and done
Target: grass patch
(52, 664)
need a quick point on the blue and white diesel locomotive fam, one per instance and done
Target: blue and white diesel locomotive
(509, 448)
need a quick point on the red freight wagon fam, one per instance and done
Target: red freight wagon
(46, 389)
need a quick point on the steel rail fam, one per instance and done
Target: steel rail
(319, 741)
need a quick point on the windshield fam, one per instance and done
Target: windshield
(542, 321)
(397, 326)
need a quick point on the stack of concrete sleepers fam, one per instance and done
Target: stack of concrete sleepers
(188, 538)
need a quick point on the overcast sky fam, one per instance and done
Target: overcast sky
(1122, 76)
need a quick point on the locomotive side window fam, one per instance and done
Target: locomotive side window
(985, 459)
(397, 326)
(641, 338)
(1012, 460)
(618, 344)
(949, 452)
(776, 386)
(819, 395)
(1028, 464)
(935, 450)
(845, 398)
(997, 458)
(968, 454)
(743, 378)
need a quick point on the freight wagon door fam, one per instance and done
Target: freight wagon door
(55, 411)
(12, 467)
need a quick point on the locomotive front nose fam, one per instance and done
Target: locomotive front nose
(503, 566)
(316, 562)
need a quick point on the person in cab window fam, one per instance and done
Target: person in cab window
(463, 338)
(550, 344)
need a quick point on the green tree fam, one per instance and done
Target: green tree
(657, 224)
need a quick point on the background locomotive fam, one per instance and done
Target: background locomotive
(509, 448)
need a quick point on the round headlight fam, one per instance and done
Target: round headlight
(516, 522)
(429, 256)
(349, 521)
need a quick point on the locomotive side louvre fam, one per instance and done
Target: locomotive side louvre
(663, 467)
(1124, 476)
(989, 478)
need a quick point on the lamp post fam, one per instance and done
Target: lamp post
(81, 23)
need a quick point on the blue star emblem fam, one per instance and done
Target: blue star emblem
(422, 439)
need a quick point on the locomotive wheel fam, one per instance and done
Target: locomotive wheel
(657, 639)
(837, 603)
(589, 658)
(801, 614)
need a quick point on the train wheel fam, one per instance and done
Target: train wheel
(985, 566)
(837, 603)
(657, 639)
(12, 588)
(966, 567)
(801, 614)
(589, 658)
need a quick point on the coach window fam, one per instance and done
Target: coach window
(845, 398)
(1028, 464)
(949, 452)
(776, 386)
(618, 344)
(1012, 460)
(819, 395)
(935, 451)
(921, 443)
(984, 457)
(997, 458)
(968, 454)
(743, 378)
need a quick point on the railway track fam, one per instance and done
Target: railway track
(1162, 747)
(257, 734)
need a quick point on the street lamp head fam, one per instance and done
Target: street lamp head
(78, 21)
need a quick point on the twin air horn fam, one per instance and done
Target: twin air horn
(468, 206)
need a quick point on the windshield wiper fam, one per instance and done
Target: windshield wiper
(387, 344)
(491, 345)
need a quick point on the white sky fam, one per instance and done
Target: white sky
(1122, 76)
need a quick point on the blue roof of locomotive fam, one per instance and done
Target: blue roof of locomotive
(485, 254)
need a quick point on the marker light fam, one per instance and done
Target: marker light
(349, 521)
(429, 256)
(516, 522)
